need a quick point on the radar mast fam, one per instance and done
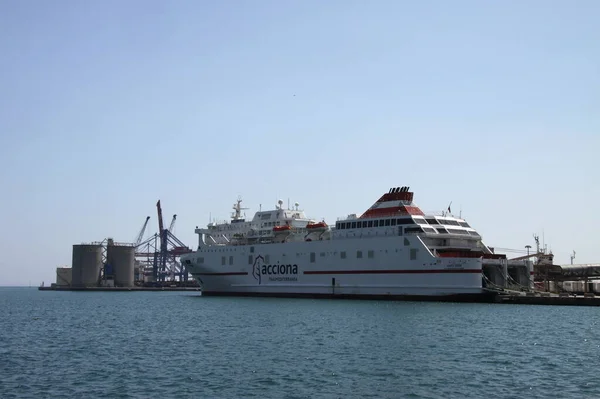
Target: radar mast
(237, 207)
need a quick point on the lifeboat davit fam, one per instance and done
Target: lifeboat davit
(282, 228)
(319, 225)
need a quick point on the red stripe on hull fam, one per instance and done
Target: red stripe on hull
(411, 271)
(224, 274)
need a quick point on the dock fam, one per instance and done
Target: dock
(546, 298)
(115, 289)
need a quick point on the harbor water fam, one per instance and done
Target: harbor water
(182, 345)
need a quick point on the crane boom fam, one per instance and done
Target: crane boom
(172, 223)
(160, 219)
(141, 233)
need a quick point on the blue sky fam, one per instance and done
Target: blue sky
(108, 106)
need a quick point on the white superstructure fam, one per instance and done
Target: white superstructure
(393, 250)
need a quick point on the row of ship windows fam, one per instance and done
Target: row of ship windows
(444, 221)
(343, 255)
(313, 256)
(234, 226)
(270, 224)
(441, 230)
(394, 222)
(373, 223)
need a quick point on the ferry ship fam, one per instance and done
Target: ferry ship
(393, 250)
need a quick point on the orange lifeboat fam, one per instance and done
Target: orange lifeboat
(282, 228)
(319, 225)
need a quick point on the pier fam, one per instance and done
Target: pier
(547, 298)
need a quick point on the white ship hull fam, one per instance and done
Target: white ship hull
(382, 267)
(393, 250)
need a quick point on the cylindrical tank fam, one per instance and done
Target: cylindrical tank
(86, 265)
(122, 260)
(63, 276)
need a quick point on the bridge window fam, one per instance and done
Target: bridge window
(457, 231)
(353, 225)
(432, 221)
(449, 222)
(404, 221)
(370, 223)
(464, 224)
(393, 222)
(387, 222)
(376, 223)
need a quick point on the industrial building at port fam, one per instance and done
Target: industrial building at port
(153, 262)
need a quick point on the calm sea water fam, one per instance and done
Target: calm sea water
(181, 345)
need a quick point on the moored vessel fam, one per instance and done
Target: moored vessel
(392, 251)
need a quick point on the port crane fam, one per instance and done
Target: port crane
(159, 254)
(171, 248)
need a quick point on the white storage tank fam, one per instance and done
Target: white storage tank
(63, 276)
(121, 259)
(86, 265)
